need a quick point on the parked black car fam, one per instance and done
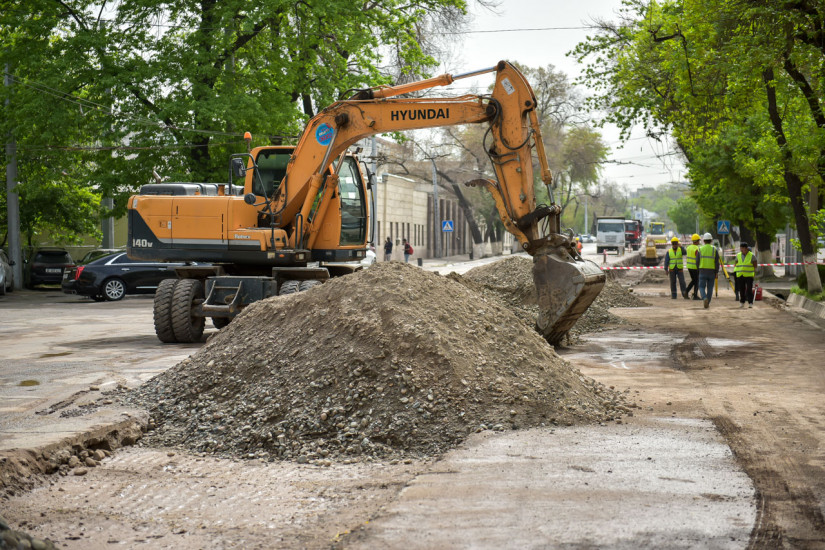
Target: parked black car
(114, 276)
(70, 273)
(46, 265)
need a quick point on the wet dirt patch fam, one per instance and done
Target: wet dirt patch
(626, 350)
(690, 352)
(779, 503)
(59, 354)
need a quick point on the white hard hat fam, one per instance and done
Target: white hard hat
(707, 237)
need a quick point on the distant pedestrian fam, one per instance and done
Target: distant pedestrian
(745, 269)
(693, 266)
(708, 260)
(388, 249)
(674, 267)
(408, 250)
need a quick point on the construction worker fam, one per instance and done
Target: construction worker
(674, 266)
(708, 261)
(745, 269)
(693, 266)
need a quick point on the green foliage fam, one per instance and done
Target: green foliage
(738, 85)
(802, 280)
(685, 214)
(104, 94)
(818, 297)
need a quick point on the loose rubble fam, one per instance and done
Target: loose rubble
(392, 362)
(11, 539)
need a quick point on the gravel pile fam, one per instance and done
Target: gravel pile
(9, 538)
(388, 363)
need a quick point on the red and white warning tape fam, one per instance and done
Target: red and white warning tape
(731, 266)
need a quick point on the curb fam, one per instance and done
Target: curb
(816, 308)
(21, 469)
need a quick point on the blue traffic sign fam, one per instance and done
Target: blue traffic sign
(723, 227)
(447, 226)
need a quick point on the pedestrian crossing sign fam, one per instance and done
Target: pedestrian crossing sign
(447, 226)
(723, 227)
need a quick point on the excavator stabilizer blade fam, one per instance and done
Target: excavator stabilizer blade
(565, 289)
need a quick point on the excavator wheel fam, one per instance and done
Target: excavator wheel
(220, 322)
(306, 285)
(187, 327)
(565, 288)
(289, 287)
(162, 311)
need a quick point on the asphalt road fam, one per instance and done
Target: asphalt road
(656, 480)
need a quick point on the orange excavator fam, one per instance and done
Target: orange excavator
(301, 212)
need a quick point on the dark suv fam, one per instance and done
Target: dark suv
(46, 266)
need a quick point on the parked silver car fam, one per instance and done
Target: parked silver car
(6, 274)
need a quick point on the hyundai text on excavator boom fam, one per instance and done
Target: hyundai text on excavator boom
(302, 212)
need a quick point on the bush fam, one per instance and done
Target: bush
(802, 281)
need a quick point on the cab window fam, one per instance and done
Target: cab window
(353, 204)
(271, 169)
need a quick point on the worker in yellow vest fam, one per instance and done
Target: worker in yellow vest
(708, 260)
(693, 266)
(745, 270)
(674, 267)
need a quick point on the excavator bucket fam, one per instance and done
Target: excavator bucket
(565, 288)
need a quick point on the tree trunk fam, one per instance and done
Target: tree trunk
(794, 184)
(763, 254)
(469, 214)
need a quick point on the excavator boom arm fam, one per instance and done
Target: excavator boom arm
(510, 110)
(565, 284)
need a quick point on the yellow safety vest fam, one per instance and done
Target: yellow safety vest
(674, 260)
(744, 266)
(691, 255)
(707, 257)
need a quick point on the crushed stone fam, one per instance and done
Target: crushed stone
(392, 362)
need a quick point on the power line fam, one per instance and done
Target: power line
(80, 102)
(535, 29)
(123, 147)
(43, 88)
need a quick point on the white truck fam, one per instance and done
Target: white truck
(609, 234)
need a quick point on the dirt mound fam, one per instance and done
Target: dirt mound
(392, 361)
(510, 280)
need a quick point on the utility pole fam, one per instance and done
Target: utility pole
(374, 205)
(12, 199)
(107, 225)
(436, 215)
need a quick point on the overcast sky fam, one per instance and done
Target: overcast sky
(538, 33)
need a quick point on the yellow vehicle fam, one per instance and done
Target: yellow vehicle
(651, 256)
(657, 231)
(308, 203)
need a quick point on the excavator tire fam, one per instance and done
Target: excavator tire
(162, 311)
(220, 322)
(306, 285)
(289, 287)
(187, 327)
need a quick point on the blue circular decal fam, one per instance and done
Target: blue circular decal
(324, 134)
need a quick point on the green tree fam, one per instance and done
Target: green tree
(685, 215)
(110, 93)
(702, 69)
